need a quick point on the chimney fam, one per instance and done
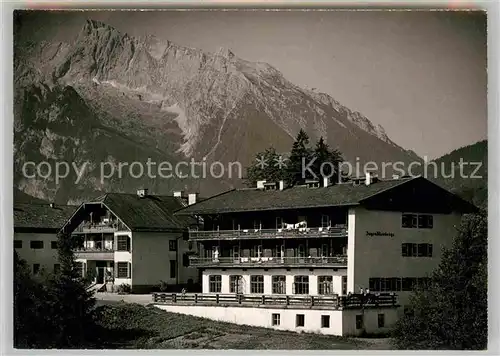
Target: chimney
(141, 193)
(260, 184)
(368, 178)
(178, 194)
(326, 181)
(281, 184)
(192, 198)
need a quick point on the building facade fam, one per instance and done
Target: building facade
(323, 241)
(36, 226)
(134, 241)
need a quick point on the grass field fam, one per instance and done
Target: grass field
(126, 325)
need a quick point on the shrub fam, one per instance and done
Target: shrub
(124, 288)
(163, 286)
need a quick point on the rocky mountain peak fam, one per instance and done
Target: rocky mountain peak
(160, 99)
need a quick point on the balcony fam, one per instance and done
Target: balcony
(98, 254)
(303, 232)
(255, 262)
(100, 228)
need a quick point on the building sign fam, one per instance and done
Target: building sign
(379, 233)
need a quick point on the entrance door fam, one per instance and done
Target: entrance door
(100, 274)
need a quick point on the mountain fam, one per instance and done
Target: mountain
(110, 97)
(472, 183)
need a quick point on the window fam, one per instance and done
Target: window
(190, 245)
(185, 260)
(421, 221)
(408, 284)
(256, 251)
(172, 245)
(325, 285)
(18, 244)
(416, 250)
(344, 285)
(123, 243)
(276, 319)
(409, 220)
(36, 244)
(173, 268)
(325, 221)
(325, 321)
(122, 269)
(80, 266)
(57, 268)
(234, 284)
(425, 221)
(374, 284)
(359, 322)
(301, 285)
(381, 320)
(36, 268)
(257, 284)
(53, 245)
(279, 283)
(214, 283)
(405, 250)
(278, 251)
(279, 222)
(422, 250)
(301, 251)
(300, 320)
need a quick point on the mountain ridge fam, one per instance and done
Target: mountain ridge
(178, 102)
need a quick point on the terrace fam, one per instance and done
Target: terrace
(332, 302)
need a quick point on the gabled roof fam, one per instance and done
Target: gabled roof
(241, 200)
(149, 213)
(41, 217)
(301, 197)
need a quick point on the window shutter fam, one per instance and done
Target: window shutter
(129, 270)
(293, 288)
(115, 269)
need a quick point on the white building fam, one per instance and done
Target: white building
(295, 254)
(134, 240)
(36, 225)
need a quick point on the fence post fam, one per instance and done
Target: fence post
(154, 297)
(263, 299)
(312, 301)
(240, 296)
(174, 297)
(196, 298)
(287, 300)
(217, 299)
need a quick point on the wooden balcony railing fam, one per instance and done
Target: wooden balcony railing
(340, 260)
(94, 249)
(303, 232)
(353, 301)
(98, 228)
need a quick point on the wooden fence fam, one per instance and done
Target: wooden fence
(331, 302)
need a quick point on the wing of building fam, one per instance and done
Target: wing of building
(36, 225)
(322, 240)
(134, 240)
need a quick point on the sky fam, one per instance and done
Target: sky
(422, 75)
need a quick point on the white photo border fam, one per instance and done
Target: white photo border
(6, 148)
